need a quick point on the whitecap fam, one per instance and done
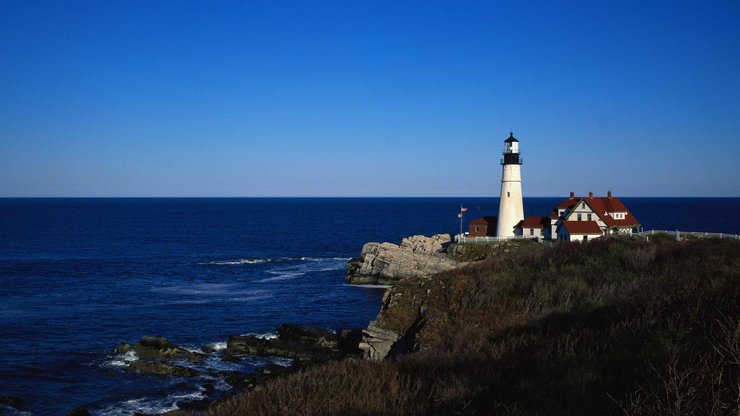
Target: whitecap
(123, 360)
(325, 258)
(236, 262)
(149, 405)
(209, 289)
(217, 346)
(263, 335)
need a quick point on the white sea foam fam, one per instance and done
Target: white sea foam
(236, 262)
(11, 411)
(325, 258)
(149, 405)
(209, 289)
(263, 335)
(123, 360)
(210, 365)
(217, 346)
(281, 275)
(252, 260)
(370, 286)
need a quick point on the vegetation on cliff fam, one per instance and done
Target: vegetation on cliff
(615, 326)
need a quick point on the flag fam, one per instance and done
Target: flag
(463, 209)
(459, 215)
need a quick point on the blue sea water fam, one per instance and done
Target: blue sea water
(78, 276)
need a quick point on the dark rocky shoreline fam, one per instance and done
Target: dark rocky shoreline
(156, 355)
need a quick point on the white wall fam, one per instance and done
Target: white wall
(511, 207)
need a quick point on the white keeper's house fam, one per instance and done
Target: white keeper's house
(581, 219)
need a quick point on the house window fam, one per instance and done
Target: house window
(585, 238)
(589, 217)
(476, 228)
(531, 231)
(579, 217)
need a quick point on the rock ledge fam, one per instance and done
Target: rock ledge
(387, 263)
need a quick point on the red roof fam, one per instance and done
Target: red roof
(582, 227)
(601, 206)
(484, 220)
(607, 205)
(533, 222)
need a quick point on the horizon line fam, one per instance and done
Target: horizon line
(336, 197)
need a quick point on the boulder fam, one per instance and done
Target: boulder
(156, 342)
(319, 338)
(154, 354)
(158, 349)
(240, 345)
(299, 343)
(387, 263)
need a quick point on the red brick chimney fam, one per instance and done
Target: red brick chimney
(572, 195)
(590, 194)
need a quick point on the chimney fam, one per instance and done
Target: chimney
(572, 195)
(609, 194)
(590, 194)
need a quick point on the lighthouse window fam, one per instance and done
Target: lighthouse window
(508, 194)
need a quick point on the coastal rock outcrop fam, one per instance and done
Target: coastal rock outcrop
(152, 355)
(387, 263)
(402, 315)
(298, 343)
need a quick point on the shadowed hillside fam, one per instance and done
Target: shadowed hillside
(610, 327)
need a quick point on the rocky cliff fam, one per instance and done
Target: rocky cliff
(387, 263)
(403, 313)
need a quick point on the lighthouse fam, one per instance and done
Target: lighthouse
(511, 208)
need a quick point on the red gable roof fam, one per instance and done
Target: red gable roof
(533, 222)
(600, 206)
(582, 227)
(609, 205)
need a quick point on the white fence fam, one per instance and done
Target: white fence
(467, 239)
(676, 233)
(679, 234)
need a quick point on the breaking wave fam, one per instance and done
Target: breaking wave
(123, 360)
(257, 260)
(237, 262)
(149, 405)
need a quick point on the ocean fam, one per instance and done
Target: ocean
(79, 276)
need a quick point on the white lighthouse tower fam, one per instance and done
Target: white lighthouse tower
(511, 208)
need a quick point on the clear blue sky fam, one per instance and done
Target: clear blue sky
(272, 98)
